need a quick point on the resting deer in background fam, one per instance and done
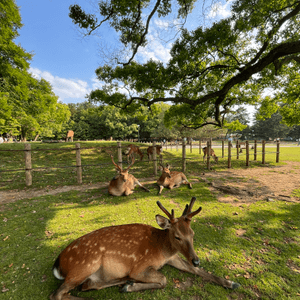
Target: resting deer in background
(171, 179)
(150, 150)
(124, 183)
(131, 255)
(212, 153)
(133, 149)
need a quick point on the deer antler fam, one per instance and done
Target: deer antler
(170, 216)
(112, 158)
(131, 164)
(188, 208)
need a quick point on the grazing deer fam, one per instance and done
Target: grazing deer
(212, 153)
(150, 150)
(241, 145)
(131, 255)
(124, 183)
(133, 149)
(171, 179)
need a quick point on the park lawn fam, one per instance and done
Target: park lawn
(97, 165)
(256, 245)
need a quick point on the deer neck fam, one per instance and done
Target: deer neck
(162, 237)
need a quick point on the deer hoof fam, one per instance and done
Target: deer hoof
(125, 287)
(235, 285)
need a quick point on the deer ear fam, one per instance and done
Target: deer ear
(163, 222)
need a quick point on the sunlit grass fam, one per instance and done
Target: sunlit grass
(257, 245)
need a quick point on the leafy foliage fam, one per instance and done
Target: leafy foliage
(29, 105)
(211, 70)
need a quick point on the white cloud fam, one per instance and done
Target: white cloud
(155, 50)
(220, 11)
(62, 87)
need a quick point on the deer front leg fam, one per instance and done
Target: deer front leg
(128, 191)
(183, 265)
(149, 279)
(139, 184)
(161, 187)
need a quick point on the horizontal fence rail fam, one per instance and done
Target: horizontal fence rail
(78, 166)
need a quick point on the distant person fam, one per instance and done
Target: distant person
(1, 140)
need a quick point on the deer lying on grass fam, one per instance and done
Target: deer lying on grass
(150, 150)
(131, 255)
(212, 153)
(124, 183)
(133, 149)
(171, 179)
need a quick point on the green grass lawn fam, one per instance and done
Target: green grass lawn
(257, 246)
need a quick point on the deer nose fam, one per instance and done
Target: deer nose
(196, 262)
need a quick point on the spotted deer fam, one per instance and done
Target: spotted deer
(212, 153)
(131, 149)
(131, 255)
(124, 183)
(171, 179)
(150, 150)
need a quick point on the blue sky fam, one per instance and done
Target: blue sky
(66, 59)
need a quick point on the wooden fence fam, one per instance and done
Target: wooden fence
(28, 156)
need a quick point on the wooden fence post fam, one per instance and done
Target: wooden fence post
(78, 164)
(183, 156)
(255, 150)
(154, 158)
(247, 153)
(200, 146)
(277, 151)
(229, 154)
(237, 150)
(263, 143)
(177, 142)
(208, 147)
(28, 167)
(191, 145)
(222, 148)
(120, 160)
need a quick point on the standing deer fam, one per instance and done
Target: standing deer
(133, 149)
(212, 153)
(171, 179)
(69, 136)
(131, 255)
(150, 150)
(124, 183)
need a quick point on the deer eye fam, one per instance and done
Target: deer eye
(177, 238)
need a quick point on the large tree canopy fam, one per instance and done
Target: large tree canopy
(211, 69)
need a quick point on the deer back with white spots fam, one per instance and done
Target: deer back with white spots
(131, 255)
(124, 183)
(171, 179)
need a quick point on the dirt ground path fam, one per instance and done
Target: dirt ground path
(235, 186)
